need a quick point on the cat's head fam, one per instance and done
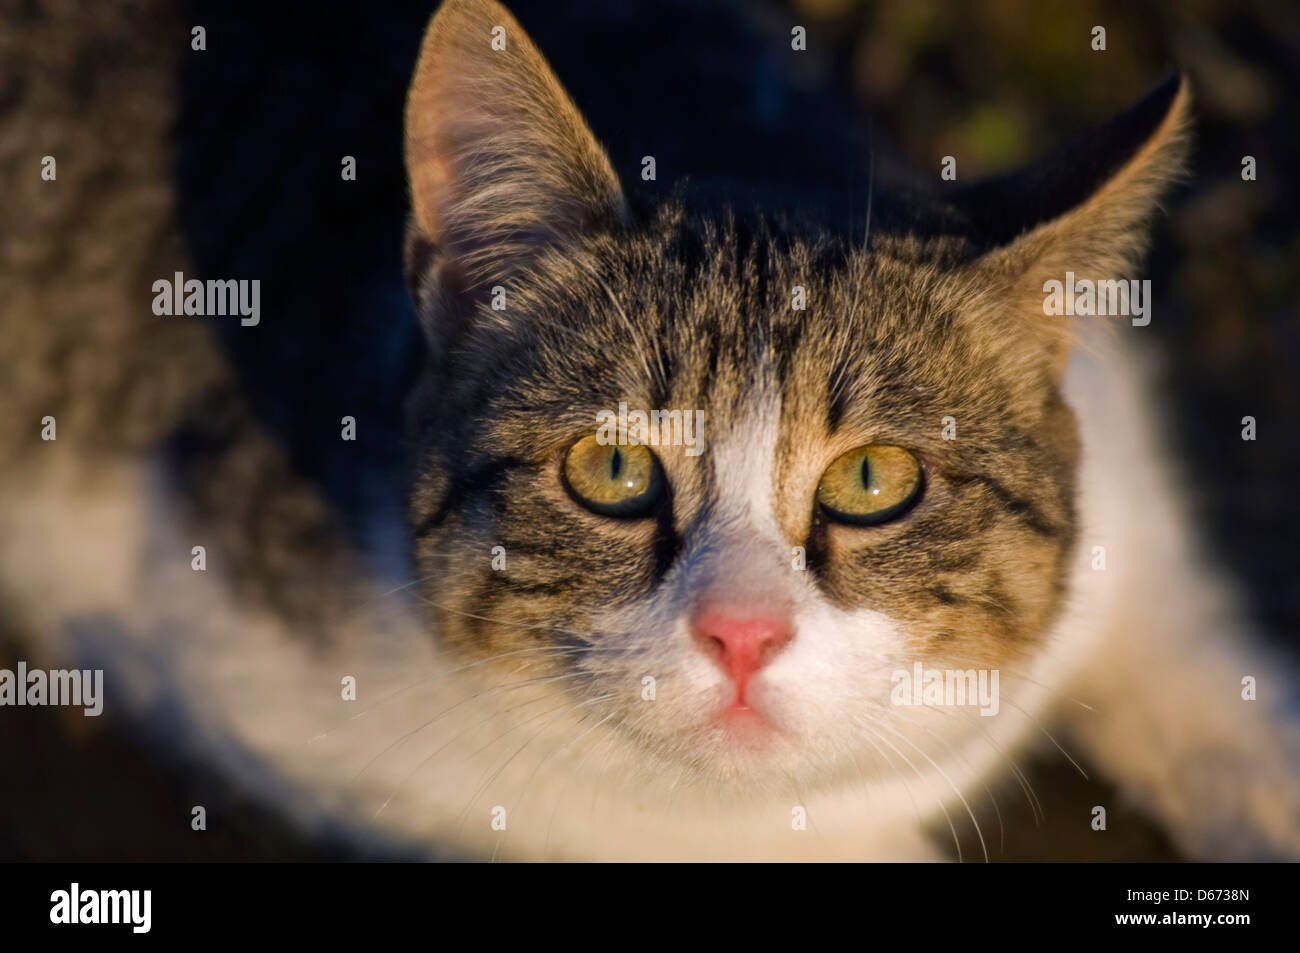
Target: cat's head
(873, 465)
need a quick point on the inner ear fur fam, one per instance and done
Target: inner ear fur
(498, 157)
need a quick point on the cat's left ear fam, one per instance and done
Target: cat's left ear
(499, 159)
(1089, 211)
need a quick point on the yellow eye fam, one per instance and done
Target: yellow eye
(870, 485)
(614, 480)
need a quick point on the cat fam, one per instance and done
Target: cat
(621, 649)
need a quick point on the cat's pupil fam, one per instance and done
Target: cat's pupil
(866, 473)
(615, 463)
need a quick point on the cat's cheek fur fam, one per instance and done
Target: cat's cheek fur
(833, 679)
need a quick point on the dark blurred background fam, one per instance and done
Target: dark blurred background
(284, 90)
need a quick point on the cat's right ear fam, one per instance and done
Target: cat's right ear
(499, 159)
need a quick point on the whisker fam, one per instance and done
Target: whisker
(532, 775)
(1054, 690)
(484, 785)
(574, 773)
(402, 739)
(942, 807)
(410, 774)
(583, 637)
(543, 653)
(957, 754)
(978, 833)
(1031, 796)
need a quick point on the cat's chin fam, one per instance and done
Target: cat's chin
(752, 761)
(742, 728)
(741, 748)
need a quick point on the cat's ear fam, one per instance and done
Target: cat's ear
(499, 159)
(1091, 208)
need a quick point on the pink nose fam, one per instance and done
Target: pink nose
(740, 646)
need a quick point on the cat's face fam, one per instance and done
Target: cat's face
(881, 470)
(771, 565)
